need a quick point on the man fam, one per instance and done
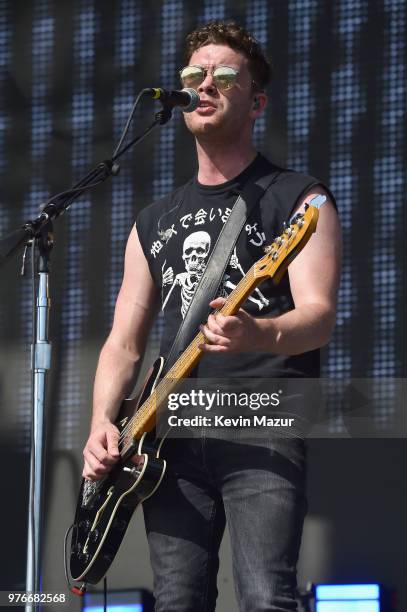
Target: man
(257, 485)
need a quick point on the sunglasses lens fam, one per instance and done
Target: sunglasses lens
(224, 77)
(192, 76)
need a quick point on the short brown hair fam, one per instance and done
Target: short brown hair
(236, 37)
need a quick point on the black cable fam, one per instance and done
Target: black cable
(136, 139)
(127, 126)
(72, 191)
(77, 590)
(105, 594)
(68, 531)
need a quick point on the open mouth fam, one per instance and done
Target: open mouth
(205, 104)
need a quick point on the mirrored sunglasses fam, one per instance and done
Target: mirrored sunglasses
(224, 77)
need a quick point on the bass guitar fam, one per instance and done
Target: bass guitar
(105, 507)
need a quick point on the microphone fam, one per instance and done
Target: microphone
(186, 98)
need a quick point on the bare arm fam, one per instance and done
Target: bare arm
(314, 280)
(120, 358)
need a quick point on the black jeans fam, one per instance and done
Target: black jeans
(257, 486)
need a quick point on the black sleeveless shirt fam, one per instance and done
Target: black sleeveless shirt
(177, 234)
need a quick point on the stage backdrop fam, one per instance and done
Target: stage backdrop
(69, 74)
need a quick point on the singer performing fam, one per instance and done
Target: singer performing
(256, 486)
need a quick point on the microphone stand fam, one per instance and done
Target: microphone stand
(38, 233)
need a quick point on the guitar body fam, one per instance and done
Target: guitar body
(105, 507)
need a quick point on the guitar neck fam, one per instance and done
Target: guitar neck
(145, 415)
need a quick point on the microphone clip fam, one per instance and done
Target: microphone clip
(165, 114)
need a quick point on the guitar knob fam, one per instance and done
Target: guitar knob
(94, 535)
(84, 558)
(119, 524)
(84, 525)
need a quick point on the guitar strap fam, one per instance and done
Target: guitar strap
(208, 286)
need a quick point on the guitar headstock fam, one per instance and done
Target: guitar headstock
(286, 247)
